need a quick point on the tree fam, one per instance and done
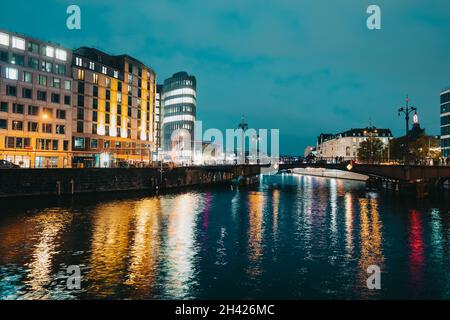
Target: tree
(371, 150)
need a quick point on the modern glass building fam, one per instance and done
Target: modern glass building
(445, 122)
(179, 113)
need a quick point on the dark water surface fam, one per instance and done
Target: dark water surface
(289, 237)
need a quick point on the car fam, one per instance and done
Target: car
(5, 164)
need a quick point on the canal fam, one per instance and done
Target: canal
(289, 237)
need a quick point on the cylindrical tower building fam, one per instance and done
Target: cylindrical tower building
(179, 101)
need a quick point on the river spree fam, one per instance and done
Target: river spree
(290, 237)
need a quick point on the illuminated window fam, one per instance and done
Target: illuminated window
(4, 39)
(95, 78)
(80, 74)
(18, 43)
(12, 74)
(61, 54)
(104, 70)
(91, 65)
(78, 61)
(116, 74)
(49, 51)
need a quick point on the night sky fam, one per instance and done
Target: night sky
(304, 67)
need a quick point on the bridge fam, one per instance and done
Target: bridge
(397, 177)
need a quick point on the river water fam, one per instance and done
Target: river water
(289, 237)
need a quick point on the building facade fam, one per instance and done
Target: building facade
(445, 123)
(35, 102)
(113, 110)
(345, 145)
(179, 101)
(157, 117)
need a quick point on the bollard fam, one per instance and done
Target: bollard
(58, 188)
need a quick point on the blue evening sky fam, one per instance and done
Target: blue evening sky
(305, 66)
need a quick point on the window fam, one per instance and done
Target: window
(80, 74)
(17, 125)
(4, 56)
(46, 128)
(4, 106)
(61, 54)
(116, 74)
(42, 95)
(80, 127)
(95, 104)
(67, 85)
(46, 66)
(54, 144)
(104, 70)
(17, 59)
(33, 110)
(60, 69)
(27, 77)
(67, 100)
(49, 51)
(78, 143)
(42, 80)
(18, 43)
(66, 145)
(80, 114)
(56, 83)
(81, 87)
(108, 82)
(94, 128)
(11, 91)
(94, 144)
(80, 101)
(3, 124)
(32, 126)
(33, 63)
(12, 74)
(91, 65)
(61, 114)
(107, 106)
(95, 78)
(78, 62)
(95, 91)
(56, 98)
(33, 47)
(47, 113)
(108, 95)
(4, 39)
(94, 116)
(27, 93)
(60, 129)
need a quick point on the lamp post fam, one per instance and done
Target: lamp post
(371, 131)
(243, 126)
(407, 110)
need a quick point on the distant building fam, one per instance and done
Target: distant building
(345, 145)
(445, 123)
(35, 102)
(179, 103)
(158, 117)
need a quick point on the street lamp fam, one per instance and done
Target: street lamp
(407, 110)
(243, 126)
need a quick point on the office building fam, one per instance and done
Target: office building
(113, 110)
(179, 101)
(35, 102)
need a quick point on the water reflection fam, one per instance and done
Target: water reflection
(180, 247)
(291, 237)
(370, 238)
(255, 207)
